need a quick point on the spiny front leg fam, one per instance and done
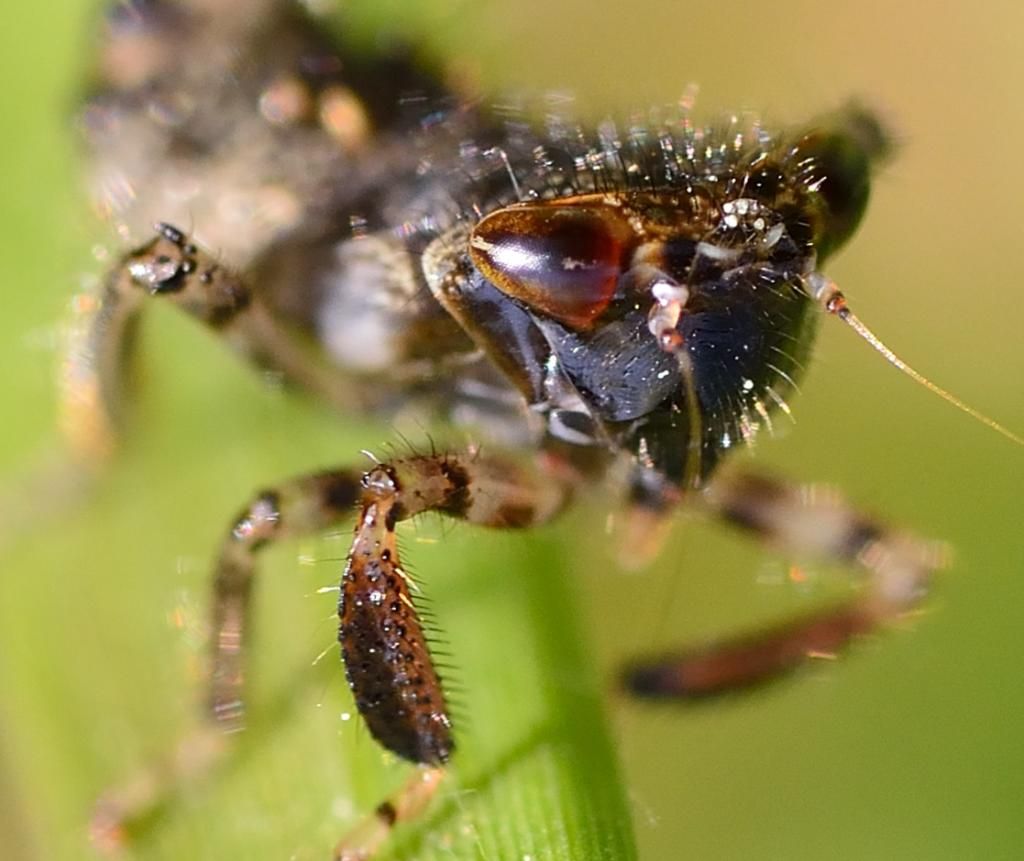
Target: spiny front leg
(387, 661)
(806, 521)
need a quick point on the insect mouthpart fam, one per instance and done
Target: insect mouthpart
(669, 299)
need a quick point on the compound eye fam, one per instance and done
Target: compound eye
(563, 261)
(835, 161)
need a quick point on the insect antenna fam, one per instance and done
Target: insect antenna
(834, 302)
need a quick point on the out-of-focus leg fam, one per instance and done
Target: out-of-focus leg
(809, 522)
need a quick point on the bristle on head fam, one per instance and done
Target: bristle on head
(831, 298)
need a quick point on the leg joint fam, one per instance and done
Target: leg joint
(260, 522)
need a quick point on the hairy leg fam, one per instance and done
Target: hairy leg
(387, 661)
(396, 687)
(810, 522)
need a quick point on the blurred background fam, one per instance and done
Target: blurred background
(911, 748)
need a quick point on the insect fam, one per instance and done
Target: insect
(628, 301)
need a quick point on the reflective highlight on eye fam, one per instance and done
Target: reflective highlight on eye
(564, 261)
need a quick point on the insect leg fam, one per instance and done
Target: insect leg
(97, 379)
(363, 841)
(302, 506)
(389, 668)
(813, 522)
(647, 519)
(387, 663)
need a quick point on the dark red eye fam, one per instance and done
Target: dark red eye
(562, 260)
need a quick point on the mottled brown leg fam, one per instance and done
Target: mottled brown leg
(97, 373)
(363, 842)
(812, 522)
(387, 662)
(386, 658)
(389, 669)
(302, 506)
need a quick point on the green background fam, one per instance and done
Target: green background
(912, 748)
